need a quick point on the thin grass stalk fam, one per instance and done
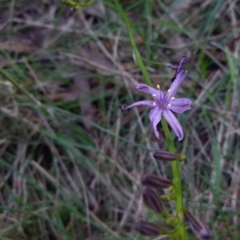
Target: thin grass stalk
(133, 43)
(18, 86)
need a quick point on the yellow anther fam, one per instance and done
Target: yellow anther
(154, 104)
(169, 90)
(173, 98)
(158, 86)
(169, 105)
(154, 95)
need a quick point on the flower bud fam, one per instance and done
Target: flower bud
(154, 181)
(198, 227)
(148, 229)
(152, 200)
(165, 156)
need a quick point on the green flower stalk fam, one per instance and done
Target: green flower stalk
(162, 109)
(180, 231)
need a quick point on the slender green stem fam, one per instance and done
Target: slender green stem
(148, 15)
(133, 43)
(176, 180)
(181, 234)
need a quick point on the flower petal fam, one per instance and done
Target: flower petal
(145, 88)
(176, 84)
(180, 105)
(146, 103)
(174, 124)
(155, 116)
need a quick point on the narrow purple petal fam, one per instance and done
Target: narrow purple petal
(176, 84)
(145, 88)
(155, 116)
(146, 103)
(174, 124)
(181, 64)
(180, 105)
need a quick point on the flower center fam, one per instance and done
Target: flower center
(161, 99)
(162, 105)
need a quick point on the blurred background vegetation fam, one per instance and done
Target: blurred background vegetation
(70, 159)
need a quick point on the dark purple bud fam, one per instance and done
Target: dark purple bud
(148, 229)
(181, 64)
(178, 68)
(154, 181)
(198, 227)
(165, 156)
(152, 200)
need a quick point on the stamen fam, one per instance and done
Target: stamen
(169, 90)
(154, 95)
(173, 98)
(158, 86)
(169, 105)
(154, 104)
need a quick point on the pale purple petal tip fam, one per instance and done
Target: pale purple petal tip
(174, 124)
(155, 116)
(145, 88)
(146, 103)
(180, 105)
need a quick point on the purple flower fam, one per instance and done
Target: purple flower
(165, 104)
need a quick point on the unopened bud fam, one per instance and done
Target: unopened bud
(155, 181)
(165, 156)
(152, 200)
(198, 227)
(148, 229)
